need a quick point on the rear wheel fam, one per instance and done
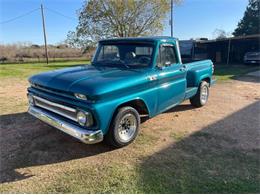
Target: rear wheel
(124, 127)
(201, 97)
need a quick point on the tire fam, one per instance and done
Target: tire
(202, 95)
(123, 128)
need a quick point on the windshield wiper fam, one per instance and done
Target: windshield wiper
(121, 62)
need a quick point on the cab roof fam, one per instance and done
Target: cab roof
(140, 39)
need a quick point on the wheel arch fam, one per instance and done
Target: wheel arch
(205, 78)
(138, 104)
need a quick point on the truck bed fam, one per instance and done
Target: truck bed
(197, 71)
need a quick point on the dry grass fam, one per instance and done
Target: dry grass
(34, 53)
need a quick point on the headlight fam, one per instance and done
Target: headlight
(81, 117)
(84, 118)
(80, 96)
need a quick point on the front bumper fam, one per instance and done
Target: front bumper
(251, 61)
(85, 136)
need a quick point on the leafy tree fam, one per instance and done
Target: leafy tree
(119, 18)
(250, 22)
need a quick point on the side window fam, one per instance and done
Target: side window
(167, 56)
(143, 51)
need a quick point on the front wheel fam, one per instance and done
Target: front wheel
(202, 95)
(124, 127)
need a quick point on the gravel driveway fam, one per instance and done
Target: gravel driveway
(38, 158)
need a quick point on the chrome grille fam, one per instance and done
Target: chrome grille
(62, 110)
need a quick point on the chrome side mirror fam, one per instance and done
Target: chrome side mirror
(160, 67)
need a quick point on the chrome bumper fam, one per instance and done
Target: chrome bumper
(86, 136)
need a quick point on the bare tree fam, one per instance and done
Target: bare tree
(220, 34)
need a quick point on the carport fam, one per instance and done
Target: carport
(230, 50)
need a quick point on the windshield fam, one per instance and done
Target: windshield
(124, 54)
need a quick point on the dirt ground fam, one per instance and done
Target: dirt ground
(34, 156)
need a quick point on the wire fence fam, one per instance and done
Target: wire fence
(15, 53)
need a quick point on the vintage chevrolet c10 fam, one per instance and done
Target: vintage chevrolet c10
(128, 79)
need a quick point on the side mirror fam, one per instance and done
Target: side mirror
(160, 67)
(91, 58)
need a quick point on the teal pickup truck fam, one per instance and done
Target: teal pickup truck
(129, 79)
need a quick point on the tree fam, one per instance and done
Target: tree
(119, 18)
(220, 34)
(249, 24)
(77, 41)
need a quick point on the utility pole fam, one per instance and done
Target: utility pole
(44, 34)
(171, 18)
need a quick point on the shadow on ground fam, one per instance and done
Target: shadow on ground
(247, 78)
(26, 142)
(221, 158)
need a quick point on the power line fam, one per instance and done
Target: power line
(56, 12)
(32, 11)
(18, 17)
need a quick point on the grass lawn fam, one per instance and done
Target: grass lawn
(227, 72)
(27, 69)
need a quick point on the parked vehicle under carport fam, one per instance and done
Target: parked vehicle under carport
(252, 58)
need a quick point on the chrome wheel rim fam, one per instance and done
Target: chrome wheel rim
(127, 127)
(204, 94)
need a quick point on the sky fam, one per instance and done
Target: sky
(192, 19)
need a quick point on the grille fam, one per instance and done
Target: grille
(62, 110)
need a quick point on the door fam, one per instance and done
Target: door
(171, 77)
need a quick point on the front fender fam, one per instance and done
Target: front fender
(106, 110)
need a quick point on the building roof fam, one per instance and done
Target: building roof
(230, 38)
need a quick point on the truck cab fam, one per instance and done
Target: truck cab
(128, 79)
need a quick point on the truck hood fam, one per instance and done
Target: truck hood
(90, 80)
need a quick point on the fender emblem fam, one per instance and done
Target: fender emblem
(152, 78)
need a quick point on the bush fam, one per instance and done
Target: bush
(3, 59)
(29, 52)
